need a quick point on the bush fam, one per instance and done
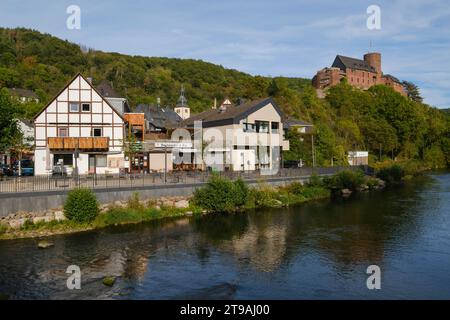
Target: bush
(391, 175)
(295, 188)
(81, 206)
(241, 193)
(263, 196)
(133, 202)
(221, 195)
(3, 228)
(346, 179)
(315, 181)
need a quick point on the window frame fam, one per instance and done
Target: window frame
(84, 104)
(72, 104)
(93, 132)
(59, 134)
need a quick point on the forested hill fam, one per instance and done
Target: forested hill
(43, 63)
(379, 120)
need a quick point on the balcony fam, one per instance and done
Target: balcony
(82, 143)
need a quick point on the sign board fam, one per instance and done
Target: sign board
(358, 154)
(173, 144)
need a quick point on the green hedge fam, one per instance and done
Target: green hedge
(81, 205)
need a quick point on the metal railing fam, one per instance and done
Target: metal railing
(109, 181)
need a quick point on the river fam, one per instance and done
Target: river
(319, 250)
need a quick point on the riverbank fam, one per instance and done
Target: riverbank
(219, 195)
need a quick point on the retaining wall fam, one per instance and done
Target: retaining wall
(47, 200)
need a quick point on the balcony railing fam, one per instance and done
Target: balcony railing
(81, 143)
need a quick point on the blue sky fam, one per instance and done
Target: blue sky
(284, 37)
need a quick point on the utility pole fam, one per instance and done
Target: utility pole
(380, 152)
(165, 164)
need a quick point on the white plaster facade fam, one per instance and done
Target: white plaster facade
(254, 142)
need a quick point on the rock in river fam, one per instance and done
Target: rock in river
(109, 281)
(44, 244)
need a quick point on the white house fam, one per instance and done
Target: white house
(81, 130)
(248, 136)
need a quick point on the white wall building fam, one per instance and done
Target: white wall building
(79, 121)
(247, 136)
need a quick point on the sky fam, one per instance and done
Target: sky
(286, 37)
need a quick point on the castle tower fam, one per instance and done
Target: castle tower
(373, 59)
(182, 108)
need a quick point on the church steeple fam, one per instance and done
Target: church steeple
(182, 101)
(182, 108)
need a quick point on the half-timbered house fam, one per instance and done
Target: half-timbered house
(80, 130)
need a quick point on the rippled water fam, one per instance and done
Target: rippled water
(316, 251)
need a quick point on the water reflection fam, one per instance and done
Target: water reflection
(313, 251)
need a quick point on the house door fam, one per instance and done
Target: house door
(92, 163)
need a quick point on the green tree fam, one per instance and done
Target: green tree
(412, 91)
(9, 130)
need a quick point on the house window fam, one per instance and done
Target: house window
(262, 126)
(101, 161)
(97, 132)
(249, 127)
(63, 132)
(275, 126)
(63, 159)
(74, 107)
(86, 107)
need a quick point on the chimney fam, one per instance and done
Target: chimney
(215, 104)
(89, 79)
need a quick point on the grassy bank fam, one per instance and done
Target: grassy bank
(219, 195)
(112, 217)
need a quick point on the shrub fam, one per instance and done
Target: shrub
(391, 175)
(133, 202)
(81, 205)
(295, 188)
(262, 196)
(315, 181)
(346, 179)
(3, 228)
(240, 193)
(221, 195)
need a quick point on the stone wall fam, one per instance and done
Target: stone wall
(54, 200)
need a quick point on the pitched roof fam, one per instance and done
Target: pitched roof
(23, 93)
(232, 114)
(352, 63)
(164, 118)
(106, 90)
(392, 78)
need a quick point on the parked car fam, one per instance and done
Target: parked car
(291, 164)
(27, 167)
